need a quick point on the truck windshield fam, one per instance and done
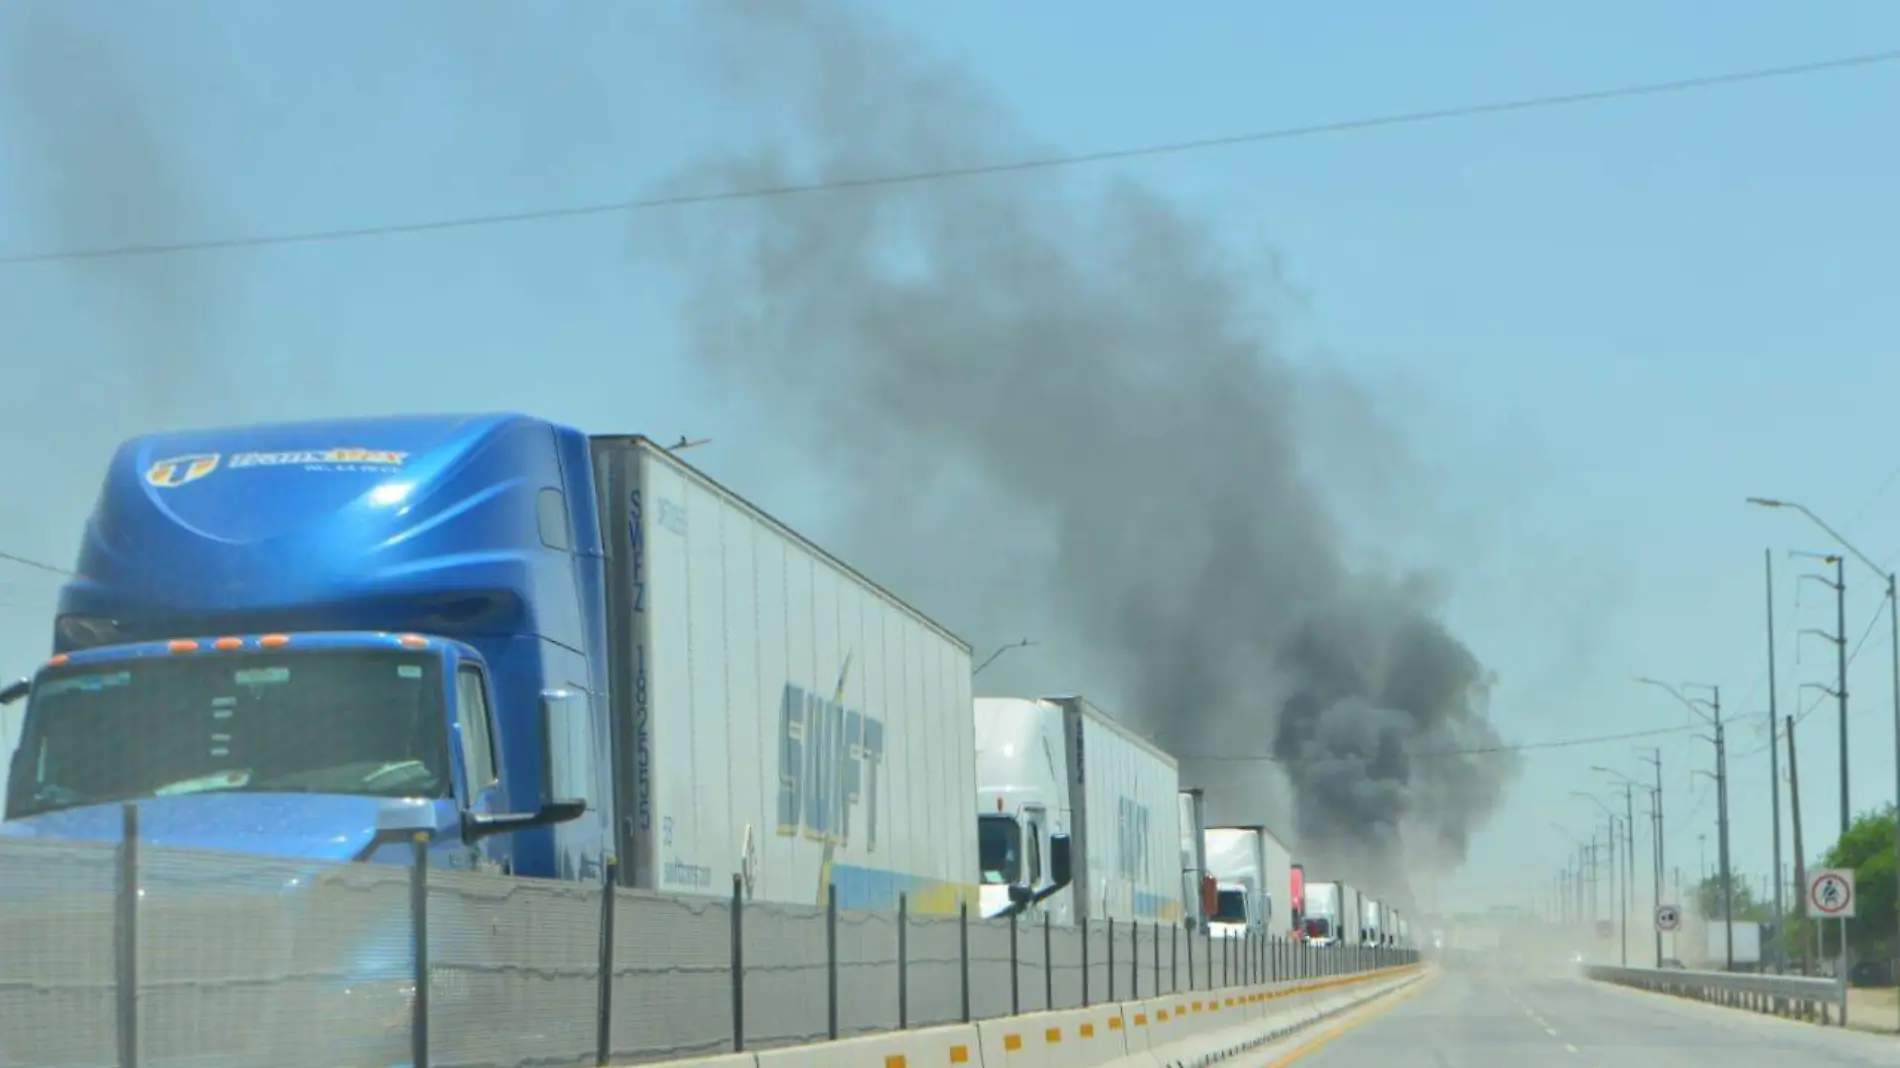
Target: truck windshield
(1231, 907)
(343, 721)
(999, 843)
(1319, 927)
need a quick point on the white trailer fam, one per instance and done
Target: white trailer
(1022, 803)
(1342, 907)
(1253, 874)
(1119, 792)
(1197, 882)
(794, 723)
(1747, 944)
(1235, 860)
(1278, 883)
(1323, 901)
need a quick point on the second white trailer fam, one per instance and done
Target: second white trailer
(1119, 801)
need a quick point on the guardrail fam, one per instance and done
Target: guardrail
(1794, 996)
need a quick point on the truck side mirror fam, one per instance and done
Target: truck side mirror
(478, 825)
(1059, 871)
(1060, 875)
(15, 690)
(1021, 896)
(563, 720)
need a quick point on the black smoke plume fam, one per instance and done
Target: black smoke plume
(1059, 412)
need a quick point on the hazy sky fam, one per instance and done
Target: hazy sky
(1597, 328)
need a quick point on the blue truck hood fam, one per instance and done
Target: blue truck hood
(324, 827)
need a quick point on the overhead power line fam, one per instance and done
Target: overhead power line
(1483, 750)
(1824, 698)
(36, 565)
(1285, 133)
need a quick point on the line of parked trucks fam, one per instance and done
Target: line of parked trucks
(567, 656)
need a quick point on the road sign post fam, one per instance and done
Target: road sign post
(1831, 897)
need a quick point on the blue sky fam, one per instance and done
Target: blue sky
(1609, 324)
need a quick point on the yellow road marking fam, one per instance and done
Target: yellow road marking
(1365, 1016)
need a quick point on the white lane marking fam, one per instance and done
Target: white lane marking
(1571, 1048)
(1551, 1031)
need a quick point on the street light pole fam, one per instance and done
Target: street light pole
(1893, 625)
(1022, 643)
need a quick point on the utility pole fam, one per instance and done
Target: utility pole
(1839, 639)
(1721, 805)
(1774, 766)
(1839, 690)
(1655, 865)
(1794, 812)
(1581, 861)
(1596, 900)
(1629, 866)
(1654, 760)
(1657, 760)
(1616, 888)
(1840, 659)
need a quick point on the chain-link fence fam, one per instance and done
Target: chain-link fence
(115, 956)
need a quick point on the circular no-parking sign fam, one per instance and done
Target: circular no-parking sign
(1831, 893)
(1668, 917)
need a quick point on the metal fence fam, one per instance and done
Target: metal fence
(125, 956)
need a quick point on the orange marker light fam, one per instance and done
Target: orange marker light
(229, 643)
(182, 646)
(58, 660)
(274, 641)
(412, 641)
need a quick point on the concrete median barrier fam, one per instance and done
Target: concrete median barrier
(1077, 1038)
(1205, 1030)
(1179, 1031)
(957, 1046)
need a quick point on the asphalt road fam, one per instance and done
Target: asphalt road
(1475, 1020)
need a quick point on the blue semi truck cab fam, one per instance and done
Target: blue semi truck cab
(332, 746)
(312, 639)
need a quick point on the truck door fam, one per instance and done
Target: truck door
(481, 775)
(1035, 824)
(1035, 834)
